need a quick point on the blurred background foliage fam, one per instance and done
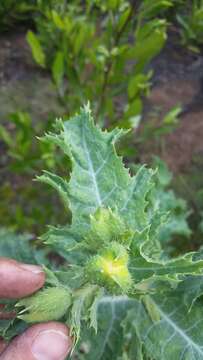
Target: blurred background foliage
(103, 51)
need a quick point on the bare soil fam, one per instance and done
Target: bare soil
(23, 85)
(178, 80)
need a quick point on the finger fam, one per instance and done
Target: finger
(2, 345)
(47, 341)
(18, 280)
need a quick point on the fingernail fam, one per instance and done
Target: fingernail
(32, 268)
(50, 345)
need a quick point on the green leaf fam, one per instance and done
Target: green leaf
(132, 115)
(82, 301)
(59, 184)
(167, 201)
(98, 178)
(58, 68)
(171, 117)
(57, 20)
(133, 347)
(150, 40)
(18, 247)
(107, 344)
(36, 48)
(138, 84)
(173, 269)
(6, 136)
(94, 309)
(174, 333)
(156, 8)
(164, 176)
(11, 328)
(191, 289)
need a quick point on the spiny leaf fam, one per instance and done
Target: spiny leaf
(191, 289)
(174, 334)
(83, 299)
(142, 268)
(94, 309)
(19, 247)
(107, 344)
(98, 177)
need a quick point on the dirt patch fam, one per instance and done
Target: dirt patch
(185, 143)
(23, 85)
(178, 81)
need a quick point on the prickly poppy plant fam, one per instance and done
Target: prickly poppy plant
(121, 295)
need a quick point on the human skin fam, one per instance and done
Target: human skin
(44, 341)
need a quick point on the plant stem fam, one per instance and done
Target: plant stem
(109, 63)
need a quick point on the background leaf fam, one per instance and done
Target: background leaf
(36, 48)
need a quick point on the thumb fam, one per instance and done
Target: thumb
(2, 345)
(46, 341)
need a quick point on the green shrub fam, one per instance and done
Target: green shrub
(99, 51)
(191, 22)
(24, 156)
(14, 11)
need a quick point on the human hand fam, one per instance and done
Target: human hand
(45, 341)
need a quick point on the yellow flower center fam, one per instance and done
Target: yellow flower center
(116, 269)
(113, 267)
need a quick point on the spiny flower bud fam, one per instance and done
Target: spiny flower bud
(47, 304)
(110, 267)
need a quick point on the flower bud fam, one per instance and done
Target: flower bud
(47, 304)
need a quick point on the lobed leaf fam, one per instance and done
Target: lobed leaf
(174, 333)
